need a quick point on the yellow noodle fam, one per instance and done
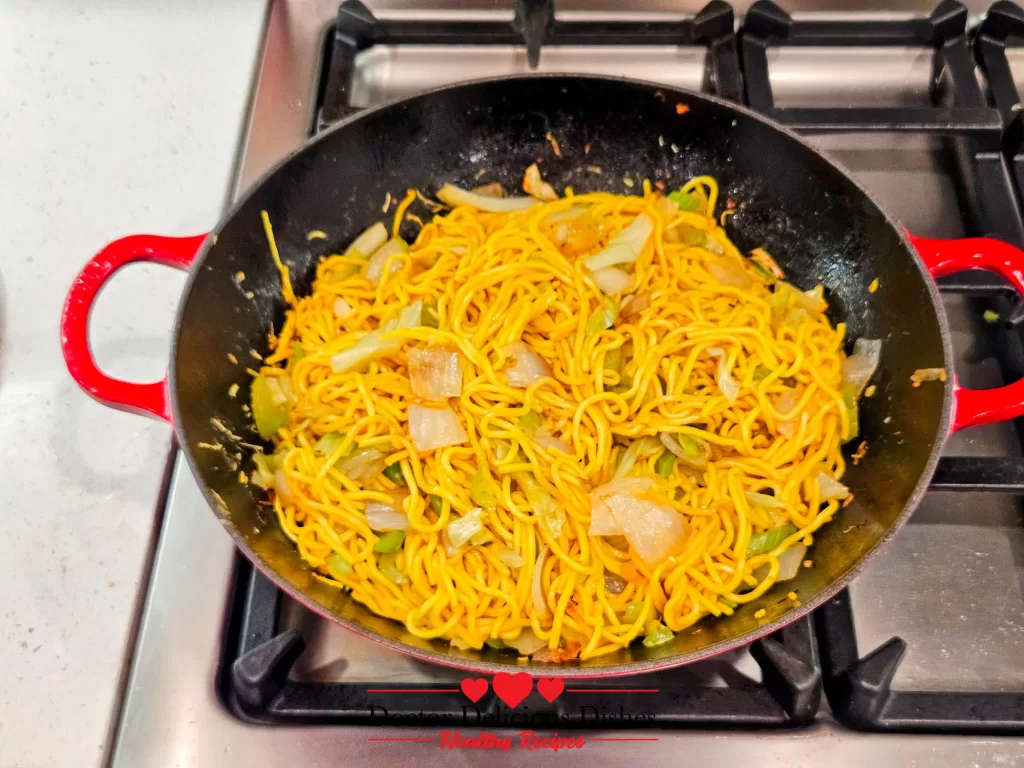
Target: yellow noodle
(498, 278)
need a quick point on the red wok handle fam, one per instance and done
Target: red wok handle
(972, 407)
(151, 399)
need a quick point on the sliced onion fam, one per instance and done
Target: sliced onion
(636, 305)
(602, 521)
(611, 280)
(385, 517)
(374, 344)
(284, 491)
(454, 196)
(535, 186)
(728, 272)
(830, 488)
(527, 643)
(859, 367)
(375, 266)
(790, 560)
(631, 485)
(614, 584)
(535, 588)
(528, 365)
(494, 189)
(697, 459)
(435, 373)
(545, 439)
(764, 500)
(654, 531)
(462, 529)
(363, 465)
(512, 558)
(787, 402)
(726, 382)
(368, 241)
(432, 428)
(637, 450)
(625, 247)
(342, 308)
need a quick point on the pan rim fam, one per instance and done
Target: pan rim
(612, 670)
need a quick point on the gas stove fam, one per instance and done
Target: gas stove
(919, 661)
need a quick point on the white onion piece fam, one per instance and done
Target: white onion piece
(727, 272)
(636, 305)
(787, 402)
(625, 247)
(764, 500)
(602, 521)
(859, 367)
(435, 373)
(384, 517)
(363, 465)
(535, 186)
(375, 266)
(726, 382)
(369, 240)
(464, 528)
(512, 558)
(342, 308)
(567, 215)
(527, 643)
(790, 560)
(672, 444)
(830, 488)
(374, 345)
(528, 366)
(545, 439)
(614, 584)
(535, 588)
(611, 280)
(654, 531)
(631, 485)
(432, 428)
(284, 491)
(454, 196)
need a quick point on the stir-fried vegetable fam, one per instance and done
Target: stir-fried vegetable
(535, 186)
(271, 404)
(830, 488)
(552, 517)
(527, 366)
(764, 500)
(393, 473)
(387, 566)
(436, 502)
(368, 241)
(432, 428)
(637, 450)
(686, 201)
(512, 558)
(665, 464)
(859, 367)
(530, 422)
(385, 517)
(482, 491)
(434, 373)
(527, 643)
(614, 584)
(461, 529)
(602, 318)
(625, 247)
(611, 280)
(389, 542)
(362, 465)
(374, 344)
(338, 566)
(329, 443)
(375, 266)
(656, 633)
(454, 196)
(852, 413)
(766, 541)
(632, 612)
(727, 271)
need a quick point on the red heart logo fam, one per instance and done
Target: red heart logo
(474, 689)
(512, 689)
(550, 688)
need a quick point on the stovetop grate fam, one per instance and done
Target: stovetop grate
(258, 656)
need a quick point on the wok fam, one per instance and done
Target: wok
(790, 199)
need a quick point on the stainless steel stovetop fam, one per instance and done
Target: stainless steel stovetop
(952, 583)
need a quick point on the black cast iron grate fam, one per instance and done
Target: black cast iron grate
(258, 656)
(859, 689)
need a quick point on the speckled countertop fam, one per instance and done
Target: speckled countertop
(115, 117)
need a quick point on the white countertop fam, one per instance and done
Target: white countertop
(116, 117)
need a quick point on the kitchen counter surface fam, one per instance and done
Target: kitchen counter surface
(117, 118)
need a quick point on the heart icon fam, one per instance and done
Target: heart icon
(512, 689)
(474, 689)
(550, 688)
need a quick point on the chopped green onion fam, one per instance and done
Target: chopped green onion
(657, 634)
(991, 316)
(482, 490)
(849, 393)
(338, 566)
(769, 540)
(329, 443)
(685, 200)
(530, 422)
(632, 612)
(689, 445)
(268, 411)
(602, 318)
(762, 372)
(394, 473)
(665, 464)
(436, 502)
(388, 568)
(389, 542)
(496, 643)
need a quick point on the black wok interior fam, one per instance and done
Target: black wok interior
(819, 225)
